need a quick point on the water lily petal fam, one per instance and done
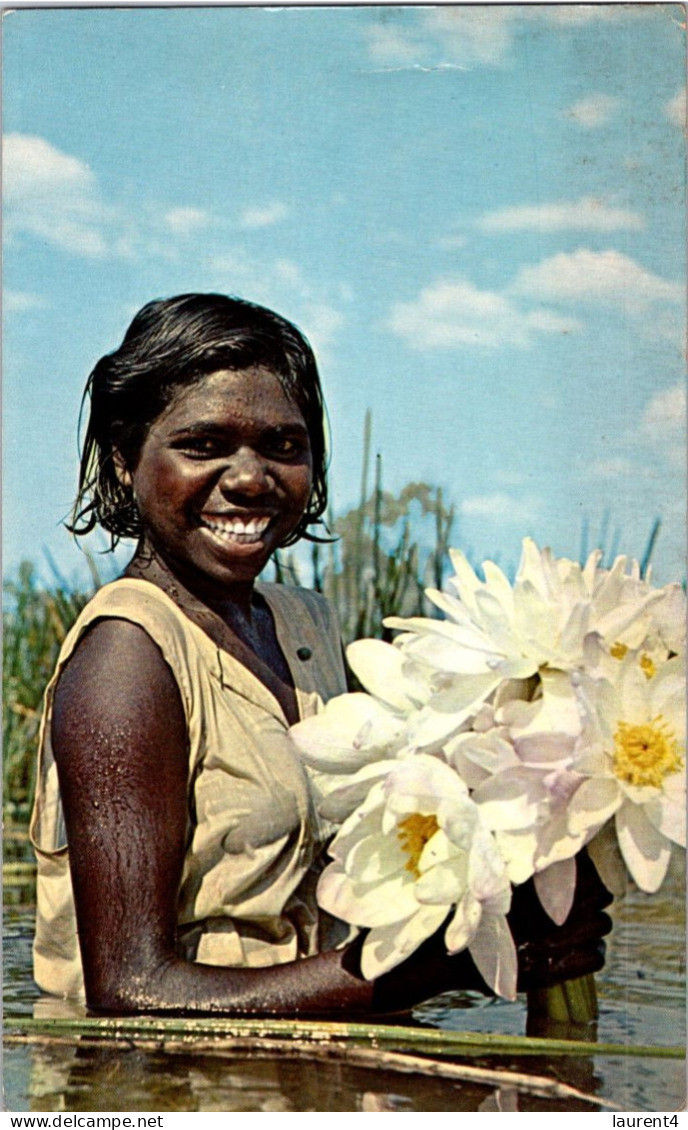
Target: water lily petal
(459, 649)
(603, 850)
(328, 739)
(421, 783)
(556, 887)
(494, 953)
(558, 711)
(575, 629)
(387, 946)
(517, 850)
(348, 792)
(644, 849)
(489, 750)
(444, 883)
(364, 822)
(465, 581)
(440, 850)
(448, 710)
(374, 858)
(668, 816)
(452, 607)
(379, 667)
(511, 800)
(377, 904)
(593, 803)
(669, 615)
(544, 750)
(464, 923)
(556, 842)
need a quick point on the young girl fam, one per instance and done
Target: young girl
(177, 840)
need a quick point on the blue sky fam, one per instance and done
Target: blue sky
(475, 213)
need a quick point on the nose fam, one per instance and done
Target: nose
(246, 473)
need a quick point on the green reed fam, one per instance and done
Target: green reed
(35, 622)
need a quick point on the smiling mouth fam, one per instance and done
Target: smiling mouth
(237, 531)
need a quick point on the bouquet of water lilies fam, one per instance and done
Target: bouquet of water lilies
(533, 719)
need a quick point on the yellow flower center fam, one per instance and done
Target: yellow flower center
(646, 754)
(413, 833)
(648, 666)
(618, 651)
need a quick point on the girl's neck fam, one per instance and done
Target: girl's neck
(148, 564)
(241, 624)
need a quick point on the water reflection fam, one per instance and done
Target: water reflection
(82, 1078)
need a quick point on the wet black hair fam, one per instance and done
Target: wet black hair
(173, 343)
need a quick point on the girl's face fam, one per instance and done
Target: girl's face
(223, 477)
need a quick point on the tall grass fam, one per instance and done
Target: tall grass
(35, 622)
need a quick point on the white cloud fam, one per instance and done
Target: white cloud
(52, 195)
(263, 216)
(444, 37)
(454, 312)
(55, 197)
(676, 109)
(596, 276)
(472, 35)
(502, 507)
(665, 414)
(184, 221)
(18, 301)
(589, 213)
(594, 111)
(465, 36)
(32, 166)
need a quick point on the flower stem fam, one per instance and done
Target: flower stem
(572, 1002)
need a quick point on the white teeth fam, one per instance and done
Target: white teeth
(237, 529)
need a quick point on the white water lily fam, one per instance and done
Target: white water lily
(628, 613)
(497, 631)
(415, 851)
(629, 616)
(508, 631)
(632, 756)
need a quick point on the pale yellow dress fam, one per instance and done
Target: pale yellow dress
(255, 842)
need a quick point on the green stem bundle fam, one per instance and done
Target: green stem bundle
(570, 1002)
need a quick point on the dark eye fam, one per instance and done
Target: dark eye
(199, 447)
(286, 447)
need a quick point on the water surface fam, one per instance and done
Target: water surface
(642, 1002)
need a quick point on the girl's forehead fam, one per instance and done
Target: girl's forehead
(232, 395)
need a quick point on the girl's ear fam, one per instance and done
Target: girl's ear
(123, 474)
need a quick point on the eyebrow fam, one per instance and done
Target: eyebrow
(212, 427)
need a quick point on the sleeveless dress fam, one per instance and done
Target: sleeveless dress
(254, 839)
